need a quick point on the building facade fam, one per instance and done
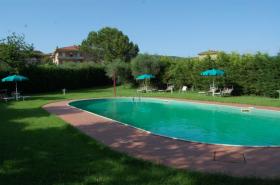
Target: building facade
(67, 54)
(210, 53)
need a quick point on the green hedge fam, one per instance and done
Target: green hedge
(257, 74)
(52, 78)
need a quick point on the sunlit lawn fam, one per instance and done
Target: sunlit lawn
(38, 148)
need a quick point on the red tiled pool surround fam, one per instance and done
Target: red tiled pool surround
(261, 162)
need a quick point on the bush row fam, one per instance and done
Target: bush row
(257, 74)
(47, 78)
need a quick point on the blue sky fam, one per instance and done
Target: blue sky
(168, 27)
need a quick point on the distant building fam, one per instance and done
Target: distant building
(210, 53)
(67, 54)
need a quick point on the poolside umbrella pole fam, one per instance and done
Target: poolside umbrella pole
(16, 79)
(213, 73)
(114, 82)
(145, 77)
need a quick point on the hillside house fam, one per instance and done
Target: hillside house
(67, 54)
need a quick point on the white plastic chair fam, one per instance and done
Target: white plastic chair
(184, 89)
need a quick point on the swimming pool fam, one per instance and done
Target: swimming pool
(198, 122)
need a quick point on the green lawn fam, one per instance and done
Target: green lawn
(37, 148)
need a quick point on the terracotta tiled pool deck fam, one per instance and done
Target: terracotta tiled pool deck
(261, 162)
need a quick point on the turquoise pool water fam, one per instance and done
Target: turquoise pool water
(215, 124)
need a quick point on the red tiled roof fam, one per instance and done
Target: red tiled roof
(69, 48)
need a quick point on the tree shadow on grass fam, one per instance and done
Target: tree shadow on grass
(38, 148)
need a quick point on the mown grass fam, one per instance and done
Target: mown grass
(37, 148)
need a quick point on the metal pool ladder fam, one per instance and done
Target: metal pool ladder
(246, 109)
(134, 99)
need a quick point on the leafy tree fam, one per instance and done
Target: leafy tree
(108, 44)
(15, 51)
(248, 74)
(47, 60)
(146, 64)
(149, 64)
(118, 70)
(4, 67)
(176, 74)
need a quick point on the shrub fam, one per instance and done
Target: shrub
(257, 74)
(46, 78)
(120, 69)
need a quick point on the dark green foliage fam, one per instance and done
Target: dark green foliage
(150, 64)
(5, 67)
(46, 60)
(257, 74)
(146, 64)
(107, 45)
(46, 78)
(120, 69)
(15, 51)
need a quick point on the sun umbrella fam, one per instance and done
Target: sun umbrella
(16, 79)
(145, 76)
(213, 72)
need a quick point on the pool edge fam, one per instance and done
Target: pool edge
(174, 138)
